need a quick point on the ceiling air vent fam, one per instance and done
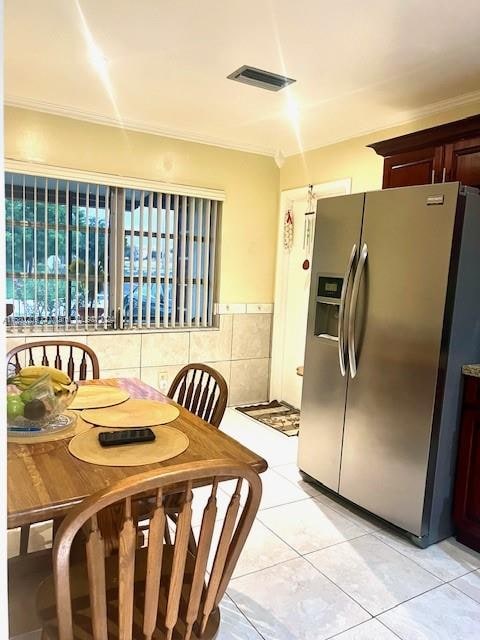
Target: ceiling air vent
(260, 78)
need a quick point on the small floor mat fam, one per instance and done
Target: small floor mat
(278, 415)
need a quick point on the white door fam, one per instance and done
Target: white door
(292, 285)
(296, 310)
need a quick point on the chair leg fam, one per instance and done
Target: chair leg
(24, 538)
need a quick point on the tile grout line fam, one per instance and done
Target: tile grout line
(375, 532)
(386, 610)
(339, 587)
(283, 504)
(463, 592)
(242, 614)
(417, 563)
(313, 486)
(355, 626)
(399, 604)
(463, 575)
(371, 617)
(275, 564)
(388, 628)
(230, 365)
(289, 545)
(404, 602)
(304, 556)
(319, 500)
(335, 544)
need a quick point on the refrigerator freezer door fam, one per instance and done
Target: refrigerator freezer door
(399, 325)
(338, 228)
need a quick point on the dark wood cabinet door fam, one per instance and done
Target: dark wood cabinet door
(422, 166)
(462, 161)
(467, 485)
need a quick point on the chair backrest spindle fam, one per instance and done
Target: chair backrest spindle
(154, 565)
(58, 359)
(65, 351)
(172, 596)
(204, 544)
(95, 552)
(179, 559)
(126, 569)
(221, 555)
(71, 364)
(204, 395)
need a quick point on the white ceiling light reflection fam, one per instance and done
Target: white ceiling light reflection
(97, 59)
(293, 114)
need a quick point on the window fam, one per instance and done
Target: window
(81, 255)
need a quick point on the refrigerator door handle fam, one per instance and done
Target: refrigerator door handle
(341, 311)
(352, 357)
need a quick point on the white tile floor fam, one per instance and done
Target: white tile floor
(313, 569)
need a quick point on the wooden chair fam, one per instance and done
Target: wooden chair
(202, 390)
(78, 357)
(160, 591)
(49, 352)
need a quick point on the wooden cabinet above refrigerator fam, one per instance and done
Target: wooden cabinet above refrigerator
(444, 153)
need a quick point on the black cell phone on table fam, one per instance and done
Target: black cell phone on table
(125, 436)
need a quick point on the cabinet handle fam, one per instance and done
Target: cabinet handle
(433, 176)
(444, 174)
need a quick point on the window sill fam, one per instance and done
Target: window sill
(12, 333)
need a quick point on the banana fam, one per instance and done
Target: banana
(60, 388)
(32, 373)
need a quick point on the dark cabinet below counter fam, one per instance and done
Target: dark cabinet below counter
(445, 153)
(467, 485)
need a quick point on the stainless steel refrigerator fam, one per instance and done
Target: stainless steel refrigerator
(394, 313)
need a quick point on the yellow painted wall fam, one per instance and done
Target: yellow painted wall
(250, 181)
(352, 159)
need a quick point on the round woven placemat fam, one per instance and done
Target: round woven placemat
(168, 443)
(95, 396)
(132, 413)
(79, 426)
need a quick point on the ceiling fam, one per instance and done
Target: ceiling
(161, 66)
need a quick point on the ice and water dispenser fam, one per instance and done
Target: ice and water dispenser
(329, 291)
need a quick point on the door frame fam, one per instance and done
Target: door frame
(287, 198)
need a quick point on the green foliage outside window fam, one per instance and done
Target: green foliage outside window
(40, 257)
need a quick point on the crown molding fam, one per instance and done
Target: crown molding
(132, 125)
(414, 115)
(143, 127)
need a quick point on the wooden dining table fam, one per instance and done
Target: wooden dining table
(45, 480)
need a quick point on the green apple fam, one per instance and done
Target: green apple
(15, 406)
(27, 396)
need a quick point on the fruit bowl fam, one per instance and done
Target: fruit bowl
(37, 399)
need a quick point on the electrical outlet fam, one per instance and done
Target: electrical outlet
(163, 381)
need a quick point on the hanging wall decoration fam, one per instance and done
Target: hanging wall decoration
(288, 230)
(309, 228)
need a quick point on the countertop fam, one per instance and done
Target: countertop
(471, 370)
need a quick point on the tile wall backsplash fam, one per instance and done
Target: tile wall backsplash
(239, 350)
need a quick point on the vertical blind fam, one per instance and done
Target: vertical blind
(57, 235)
(83, 255)
(168, 259)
